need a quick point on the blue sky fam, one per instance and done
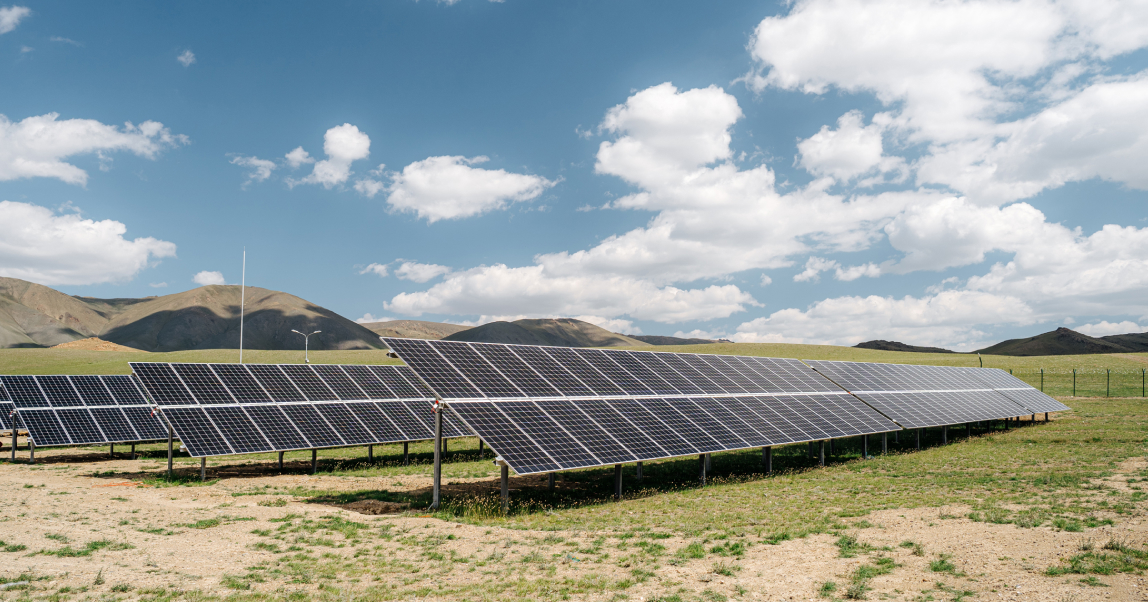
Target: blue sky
(826, 171)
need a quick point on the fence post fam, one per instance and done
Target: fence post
(1142, 370)
(1042, 380)
(1108, 383)
(1074, 382)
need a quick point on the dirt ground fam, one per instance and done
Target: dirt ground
(60, 504)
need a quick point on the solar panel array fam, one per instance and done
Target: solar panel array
(7, 409)
(924, 396)
(544, 409)
(81, 410)
(225, 409)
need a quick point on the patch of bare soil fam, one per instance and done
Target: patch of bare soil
(202, 538)
(94, 344)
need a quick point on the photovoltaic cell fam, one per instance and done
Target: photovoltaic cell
(24, 391)
(203, 384)
(434, 369)
(631, 437)
(92, 391)
(513, 445)
(650, 425)
(343, 421)
(339, 382)
(242, 385)
(378, 425)
(115, 426)
(275, 382)
(551, 370)
(146, 423)
(278, 429)
(313, 426)
(197, 433)
(654, 363)
(741, 433)
(47, 427)
(477, 370)
(162, 383)
(629, 362)
(528, 381)
(395, 381)
(124, 390)
(717, 371)
(413, 429)
(691, 373)
(681, 424)
(611, 370)
(59, 391)
(238, 429)
(583, 428)
(547, 434)
(308, 382)
(1034, 400)
(369, 383)
(585, 372)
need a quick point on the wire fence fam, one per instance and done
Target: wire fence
(1087, 383)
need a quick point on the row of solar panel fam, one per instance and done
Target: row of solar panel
(220, 430)
(174, 384)
(552, 435)
(80, 410)
(458, 370)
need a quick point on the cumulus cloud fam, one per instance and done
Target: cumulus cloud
(187, 58)
(206, 278)
(343, 144)
(612, 324)
(378, 269)
(10, 17)
(37, 146)
(420, 272)
(438, 188)
(1105, 328)
(41, 246)
(951, 318)
(260, 168)
(369, 317)
(853, 149)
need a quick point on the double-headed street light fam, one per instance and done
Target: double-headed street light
(306, 338)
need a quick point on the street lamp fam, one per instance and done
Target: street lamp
(306, 338)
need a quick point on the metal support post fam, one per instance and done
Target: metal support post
(170, 435)
(203, 468)
(480, 449)
(406, 453)
(864, 446)
(280, 461)
(702, 469)
(13, 439)
(550, 482)
(112, 451)
(133, 451)
(1006, 423)
(1046, 416)
(439, 447)
(617, 482)
(638, 472)
(767, 459)
(444, 448)
(831, 452)
(822, 455)
(314, 461)
(944, 435)
(1033, 419)
(812, 450)
(968, 429)
(371, 453)
(709, 464)
(505, 489)
(897, 437)
(884, 443)
(919, 439)
(31, 452)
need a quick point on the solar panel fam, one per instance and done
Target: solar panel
(221, 409)
(926, 396)
(7, 408)
(81, 410)
(593, 407)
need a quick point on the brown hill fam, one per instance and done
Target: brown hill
(1136, 342)
(554, 332)
(413, 329)
(1061, 341)
(204, 318)
(896, 346)
(95, 344)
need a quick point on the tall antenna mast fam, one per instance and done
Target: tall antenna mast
(242, 302)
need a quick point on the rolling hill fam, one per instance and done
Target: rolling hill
(896, 346)
(1064, 341)
(32, 315)
(554, 332)
(654, 339)
(413, 329)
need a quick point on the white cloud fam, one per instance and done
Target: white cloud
(260, 168)
(439, 188)
(420, 272)
(813, 268)
(37, 146)
(206, 278)
(368, 318)
(158, 285)
(10, 17)
(701, 334)
(187, 58)
(298, 157)
(612, 324)
(951, 319)
(529, 291)
(766, 280)
(1105, 328)
(853, 149)
(369, 187)
(379, 269)
(66, 41)
(40, 246)
(343, 144)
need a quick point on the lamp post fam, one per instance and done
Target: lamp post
(306, 344)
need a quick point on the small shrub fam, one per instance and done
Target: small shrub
(827, 589)
(694, 550)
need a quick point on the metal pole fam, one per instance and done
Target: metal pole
(1108, 383)
(897, 437)
(709, 464)
(280, 461)
(617, 482)
(314, 461)
(438, 458)
(480, 449)
(767, 457)
(1006, 423)
(444, 450)
(822, 455)
(31, 451)
(1074, 382)
(812, 451)
(133, 451)
(1046, 416)
(203, 468)
(242, 302)
(550, 482)
(864, 446)
(968, 429)
(406, 454)
(638, 472)
(884, 443)
(505, 490)
(170, 436)
(831, 452)
(13, 437)
(371, 453)
(1042, 380)
(112, 451)
(945, 435)
(919, 439)
(702, 469)
(307, 349)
